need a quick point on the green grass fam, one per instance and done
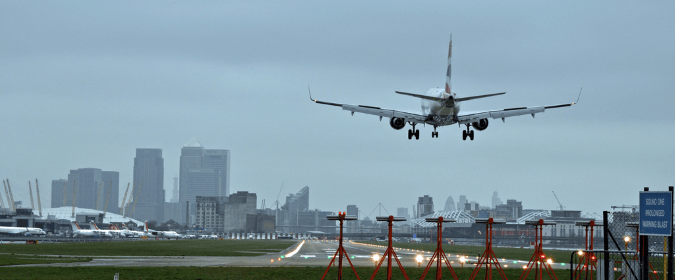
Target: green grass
(11, 259)
(235, 273)
(474, 251)
(154, 248)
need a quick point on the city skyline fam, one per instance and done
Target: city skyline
(87, 89)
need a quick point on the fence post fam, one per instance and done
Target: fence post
(605, 235)
(670, 240)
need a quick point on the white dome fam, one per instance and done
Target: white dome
(65, 213)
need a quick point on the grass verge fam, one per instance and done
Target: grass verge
(242, 273)
(11, 259)
(153, 248)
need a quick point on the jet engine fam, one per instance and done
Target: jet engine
(480, 125)
(397, 123)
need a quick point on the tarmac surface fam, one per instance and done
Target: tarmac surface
(303, 253)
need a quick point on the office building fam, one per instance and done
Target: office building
(226, 213)
(149, 191)
(203, 172)
(87, 188)
(58, 193)
(425, 206)
(449, 204)
(461, 204)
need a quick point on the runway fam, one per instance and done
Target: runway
(302, 253)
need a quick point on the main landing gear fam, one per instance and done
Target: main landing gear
(413, 132)
(468, 132)
(434, 133)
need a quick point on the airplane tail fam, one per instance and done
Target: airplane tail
(125, 226)
(93, 225)
(74, 225)
(447, 74)
(145, 226)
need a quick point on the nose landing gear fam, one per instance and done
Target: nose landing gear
(434, 133)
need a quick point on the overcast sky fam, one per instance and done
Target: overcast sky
(83, 84)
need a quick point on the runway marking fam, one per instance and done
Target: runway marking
(308, 256)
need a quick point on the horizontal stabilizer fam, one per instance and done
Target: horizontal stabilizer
(422, 96)
(459, 99)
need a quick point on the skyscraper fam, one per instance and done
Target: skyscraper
(425, 206)
(449, 204)
(58, 198)
(92, 186)
(495, 200)
(149, 185)
(461, 204)
(175, 195)
(203, 172)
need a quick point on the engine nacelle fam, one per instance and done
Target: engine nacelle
(480, 125)
(397, 123)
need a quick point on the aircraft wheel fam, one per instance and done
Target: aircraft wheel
(471, 135)
(410, 134)
(417, 134)
(464, 135)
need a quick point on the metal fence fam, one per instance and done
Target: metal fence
(622, 255)
(623, 265)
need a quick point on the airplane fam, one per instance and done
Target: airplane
(106, 232)
(22, 230)
(440, 107)
(84, 232)
(133, 233)
(166, 234)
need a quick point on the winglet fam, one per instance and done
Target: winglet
(578, 96)
(310, 94)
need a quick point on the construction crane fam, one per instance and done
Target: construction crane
(562, 208)
(30, 190)
(125, 198)
(38, 197)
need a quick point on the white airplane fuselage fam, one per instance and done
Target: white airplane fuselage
(25, 230)
(430, 107)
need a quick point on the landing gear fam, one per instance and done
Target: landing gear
(434, 133)
(467, 133)
(413, 132)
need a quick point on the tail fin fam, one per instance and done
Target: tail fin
(447, 74)
(75, 226)
(145, 226)
(93, 225)
(125, 226)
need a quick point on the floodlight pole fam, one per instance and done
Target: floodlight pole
(342, 216)
(390, 249)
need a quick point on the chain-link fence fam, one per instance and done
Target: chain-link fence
(623, 265)
(622, 252)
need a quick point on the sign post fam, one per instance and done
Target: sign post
(656, 213)
(656, 219)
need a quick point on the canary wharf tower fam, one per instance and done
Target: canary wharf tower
(203, 172)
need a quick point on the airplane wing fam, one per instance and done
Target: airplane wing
(505, 113)
(377, 111)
